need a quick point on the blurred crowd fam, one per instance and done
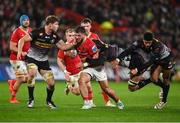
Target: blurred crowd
(127, 19)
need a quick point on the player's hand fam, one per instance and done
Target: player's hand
(114, 63)
(80, 66)
(96, 56)
(134, 71)
(24, 53)
(19, 57)
(67, 75)
(83, 59)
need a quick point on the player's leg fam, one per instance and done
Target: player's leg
(73, 85)
(106, 99)
(90, 94)
(83, 80)
(111, 93)
(21, 76)
(49, 78)
(32, 73)
(137, 82)
(165, 90)
(101, 77)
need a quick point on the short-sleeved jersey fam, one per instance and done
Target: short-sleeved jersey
(72, 63)
(157, 51)
(41, 44)
(93, 36)
(15, 37)
(87, 49)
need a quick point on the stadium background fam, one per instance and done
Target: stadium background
(120, 22)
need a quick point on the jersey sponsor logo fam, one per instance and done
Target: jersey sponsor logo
(43, 45)
(94, 49)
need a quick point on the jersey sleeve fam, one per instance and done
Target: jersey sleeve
(60, 54)
(96, 62)
(128, 51)
(14, 36)
(92, 48)
(57, 38)
(34, 34)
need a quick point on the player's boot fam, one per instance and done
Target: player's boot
(51, 104)
(110, 104)
(86, 105)
(160, 105)
(13, 100)
(92, 103)
(120, 105)
(30, 103)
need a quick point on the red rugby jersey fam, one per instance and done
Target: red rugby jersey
(87, 49)
(15, 37)
(72, 64)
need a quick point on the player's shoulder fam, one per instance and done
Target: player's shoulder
(89, 41)
(137, 42)
(94, 35)
(17, 30)
(30, 29)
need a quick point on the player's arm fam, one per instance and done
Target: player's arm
(127, 52)
(63, 46)
(26, 38)
(13, 46)
(96, 62)
(61, 65)
(155, 56)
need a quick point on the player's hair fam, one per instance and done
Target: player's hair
(86, 20)
(51, 19)
(80, 29)
(70, 30)
(148, 36)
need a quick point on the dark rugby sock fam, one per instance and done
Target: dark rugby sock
(31, 91)
(165, 89)
(143, 83)
(165, 92)
(49, 94)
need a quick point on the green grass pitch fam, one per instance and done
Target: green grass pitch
(138, 105)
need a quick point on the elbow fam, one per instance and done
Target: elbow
(11, 47)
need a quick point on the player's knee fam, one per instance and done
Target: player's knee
(51, 86)
(31, 82)
(81, 81)
(132, 88)
(153, 79)
(21, 79)
(48, 76)
(76, 92)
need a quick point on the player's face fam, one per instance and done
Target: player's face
(80, 37)
(70, 36)
(55, 26)
(147, 43)
(87, 26)
(26, 23)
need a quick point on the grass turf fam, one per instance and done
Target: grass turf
(138, 105)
